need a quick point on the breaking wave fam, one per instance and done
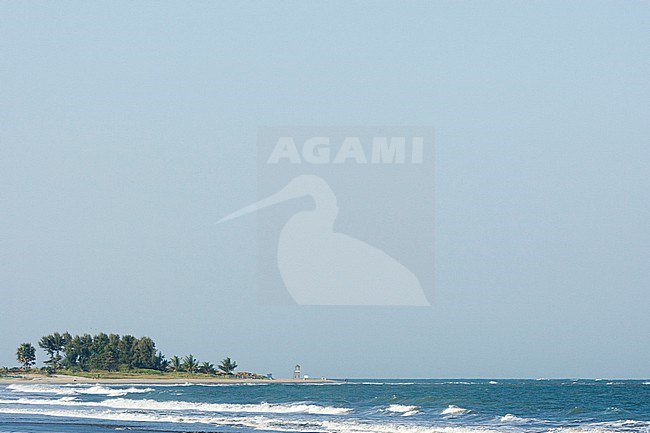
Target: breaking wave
(153, 405)
(122, 403)
(77, 390)
(404, 410)
(254, 422)
(268, 423)
(454, 410)
(510, 418)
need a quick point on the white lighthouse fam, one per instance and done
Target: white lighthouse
(296, 372)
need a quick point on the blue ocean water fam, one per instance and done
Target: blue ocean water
(360, 406)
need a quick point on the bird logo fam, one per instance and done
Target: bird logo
(320, 266)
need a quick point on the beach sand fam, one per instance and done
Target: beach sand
(64, 379)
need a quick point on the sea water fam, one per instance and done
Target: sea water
(358, 406)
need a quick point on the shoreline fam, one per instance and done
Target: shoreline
(64, 379)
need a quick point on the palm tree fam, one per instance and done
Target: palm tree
(53, 345)
(228, 366)
(206, 368)
(162, 364)
(190, 363)
(176, 363)
(26, 355)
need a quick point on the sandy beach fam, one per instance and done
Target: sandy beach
(65, 379)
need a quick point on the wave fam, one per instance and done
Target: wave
(107, 415)
(607, 427)
(455, 410)
(378, 383)
(510, 418)
(76, 390)
(254, 422)
(266, 423)
(122, 403)
(63, 401)
(404, 410)
(363, 427)
(153, 405)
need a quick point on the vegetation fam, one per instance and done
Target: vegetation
(53, 345)
(175, 363)
(112, 355)
(26, 355)
(101, 352)
(207, 368)
(228, 366)
(190, 364)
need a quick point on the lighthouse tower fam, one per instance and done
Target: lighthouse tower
(296, 372)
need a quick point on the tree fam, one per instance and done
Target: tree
(127, 350)
(161, 363)
(26, 355)
(84, 348)
(190, 363)
(99, 356)
(206, 368)
(144, 353)
(112, 353)
(47, 344)
(102, 352)
(53, 345)
(58, 342)
(176, 363)
(228, 366)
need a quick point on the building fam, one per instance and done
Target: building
(296, 372)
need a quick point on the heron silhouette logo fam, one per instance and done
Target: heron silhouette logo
(319, 264)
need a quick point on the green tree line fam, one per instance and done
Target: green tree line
(108, 352)
(112, 352)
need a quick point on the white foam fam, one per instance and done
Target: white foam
(112, 392)
(255, 422)
(404, 410)
(363, 427)
(153, 405)
(108, 415)
(266, 423)
(454, 410)
(607, 427)
(510, 418)
(41, 389)
(63, 401)
(122, 403)
(493, 382)
(260, 422)
(76, 389)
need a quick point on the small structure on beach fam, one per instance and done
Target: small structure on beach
(296, 372)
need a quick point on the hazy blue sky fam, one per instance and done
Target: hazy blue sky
(127, 130)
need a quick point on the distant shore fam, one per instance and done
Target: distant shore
(65, 379)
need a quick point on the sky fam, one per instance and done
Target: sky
(128, 129)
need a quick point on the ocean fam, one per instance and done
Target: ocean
(358, 406)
